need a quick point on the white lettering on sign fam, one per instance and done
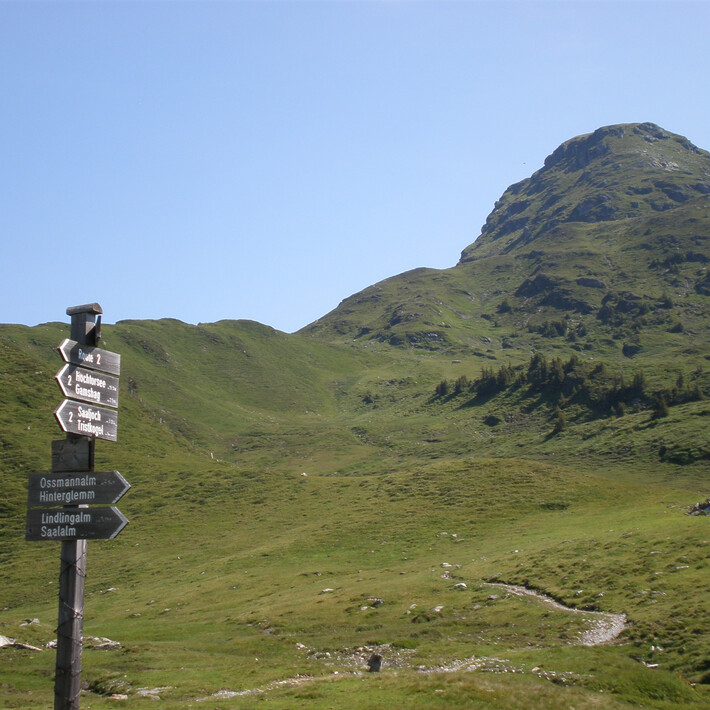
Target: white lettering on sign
(67, 482)
(87, 392)
(61, 531)
(62, 517)
(86, 378)
(87, 427)
(90, 429)
(85, 357)
(67, 497)
(92, 414)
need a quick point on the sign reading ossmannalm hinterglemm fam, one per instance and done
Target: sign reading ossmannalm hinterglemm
(76, 488)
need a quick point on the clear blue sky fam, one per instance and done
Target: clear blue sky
(265, 160)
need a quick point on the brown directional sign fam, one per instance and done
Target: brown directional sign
(91, 357)
(74, 523)
(76, 487)
(87, 420)
(88, 386)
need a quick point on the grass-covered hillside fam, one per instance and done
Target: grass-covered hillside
(609, 243)
(483, 474)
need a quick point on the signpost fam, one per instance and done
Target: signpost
(73, 483)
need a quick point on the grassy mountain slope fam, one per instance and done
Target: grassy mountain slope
(612, 219)
(301, 501)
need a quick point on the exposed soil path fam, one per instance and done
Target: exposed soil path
(605, 627)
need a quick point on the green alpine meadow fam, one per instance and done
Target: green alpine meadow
(494, 478)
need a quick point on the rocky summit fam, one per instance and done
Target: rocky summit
(616, 173)
(618, 217)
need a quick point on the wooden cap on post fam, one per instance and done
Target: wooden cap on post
(92, 308)
(84, 327)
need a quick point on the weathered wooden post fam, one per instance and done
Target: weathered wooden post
(73, 483)
(72, 572)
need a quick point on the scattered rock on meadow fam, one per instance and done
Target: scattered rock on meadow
(152, 693)
(101, 644)
(700, 508)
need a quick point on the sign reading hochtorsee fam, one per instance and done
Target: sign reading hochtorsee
(88, 386)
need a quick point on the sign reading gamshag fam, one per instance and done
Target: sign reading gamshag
(88, 386)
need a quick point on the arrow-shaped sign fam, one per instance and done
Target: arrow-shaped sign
(88, 356)
(87, 420)
(88, 385)
(76, 487)
(74, 523)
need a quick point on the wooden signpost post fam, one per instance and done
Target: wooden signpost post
(88, 384)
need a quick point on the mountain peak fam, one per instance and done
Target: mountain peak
(616, 172)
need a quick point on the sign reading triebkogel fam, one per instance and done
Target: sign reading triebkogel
(87, 420)
(91, 357)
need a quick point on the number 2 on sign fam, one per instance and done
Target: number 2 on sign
(71, 417)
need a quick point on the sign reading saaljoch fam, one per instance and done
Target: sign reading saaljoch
(87, 420)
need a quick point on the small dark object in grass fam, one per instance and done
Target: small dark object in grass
(375, 663)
